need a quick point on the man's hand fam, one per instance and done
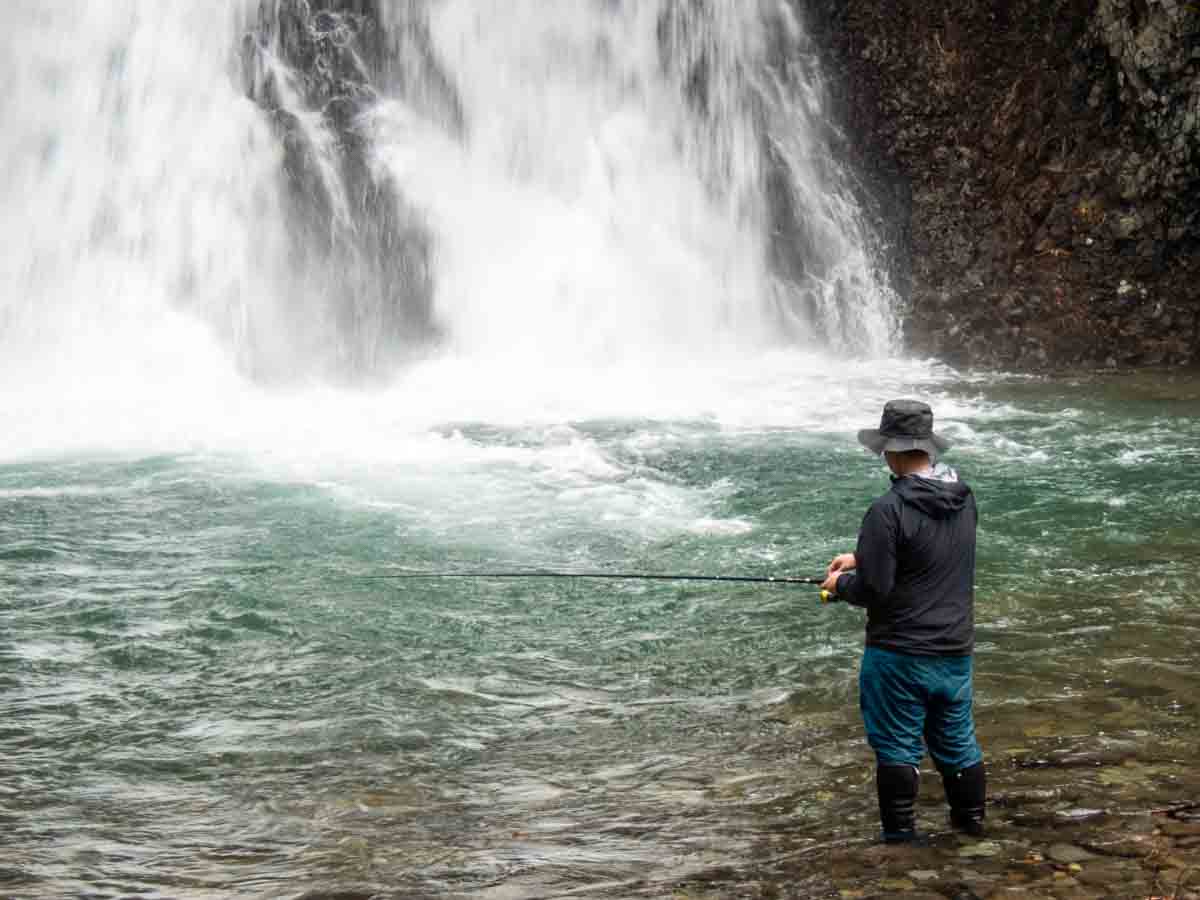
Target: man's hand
(841, 564)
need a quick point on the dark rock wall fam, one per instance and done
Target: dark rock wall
(1042, 158)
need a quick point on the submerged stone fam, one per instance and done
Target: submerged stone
(1107, 874)
(1025, 796)
(1068, 853)
(1180, 829)
(923, 875)
(981, 850)
(1079, 814)
(1136, 847)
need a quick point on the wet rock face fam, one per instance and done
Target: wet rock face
(1047, 157)
(363, 289)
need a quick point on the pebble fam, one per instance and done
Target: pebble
(924, 875)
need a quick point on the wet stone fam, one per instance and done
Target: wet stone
(1123, 776)
(1134, 847)
(1028, 796)
(974, 886)
(981, 850)
(924, 875)
(1068, 853)
(1139, 825)
(1033, 819)
(1180, 829)
(1179, 875)
(1076, 892)
(1138, 887)
(1079, 814)
(1105, 874)
(1017, 877)
(1075, 759)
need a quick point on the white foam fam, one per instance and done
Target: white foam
(721, 527)
(1134, 457)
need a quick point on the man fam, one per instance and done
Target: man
(914, 571)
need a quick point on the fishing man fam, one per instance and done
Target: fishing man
(913, 570)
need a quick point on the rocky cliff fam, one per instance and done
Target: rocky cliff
(1042, 161)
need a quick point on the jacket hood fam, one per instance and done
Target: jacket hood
(938, 494)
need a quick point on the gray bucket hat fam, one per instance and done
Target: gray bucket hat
(905, 425)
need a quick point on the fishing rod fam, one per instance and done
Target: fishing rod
(826, 596)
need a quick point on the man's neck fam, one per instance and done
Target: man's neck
(904, 467)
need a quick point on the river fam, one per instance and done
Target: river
(205, 693)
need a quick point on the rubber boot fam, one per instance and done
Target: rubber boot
(966, 792)
(897, 788)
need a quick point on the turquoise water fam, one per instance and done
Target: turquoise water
(205, 694)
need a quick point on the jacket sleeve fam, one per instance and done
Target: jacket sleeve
(873, 580)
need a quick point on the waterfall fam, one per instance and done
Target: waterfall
(137, 184)
(338, 187)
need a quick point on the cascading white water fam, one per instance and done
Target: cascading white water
(612, 188)
(609, 192)
(605, 191)
(136, 183)
(581, 215)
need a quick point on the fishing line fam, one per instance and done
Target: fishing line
(615, 576)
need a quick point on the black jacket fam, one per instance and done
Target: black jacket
(916, 567)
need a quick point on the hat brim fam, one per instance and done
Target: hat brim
(881, 443)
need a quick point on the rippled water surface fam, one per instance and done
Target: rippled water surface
(204, 693)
